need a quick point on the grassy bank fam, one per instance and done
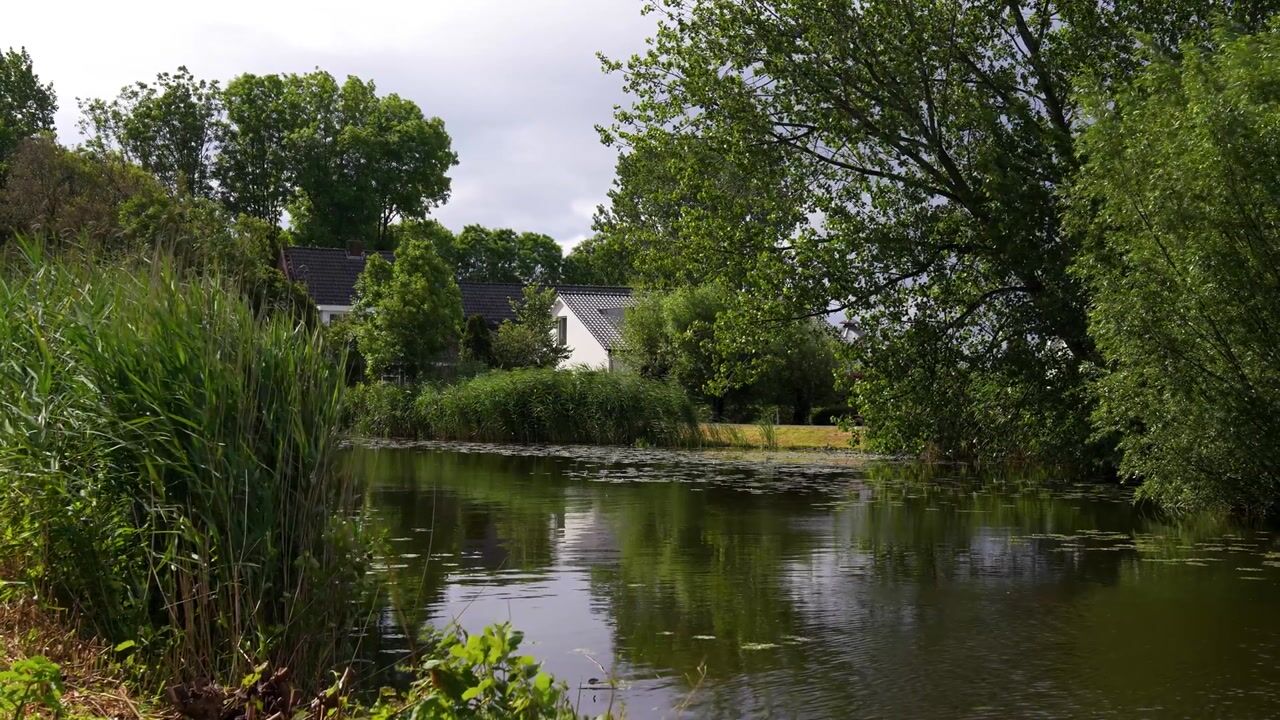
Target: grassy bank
(172, 516)
(778, 437)
(169, 456)
(531, 406)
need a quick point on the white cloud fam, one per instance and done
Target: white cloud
(517, 83)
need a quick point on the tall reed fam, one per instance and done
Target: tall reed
(168, 464)
(535, 406)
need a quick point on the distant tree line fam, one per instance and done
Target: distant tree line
(297, 159)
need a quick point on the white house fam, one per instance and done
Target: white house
(589, 323)
(589, 317)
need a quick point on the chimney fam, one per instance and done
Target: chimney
(355, 249)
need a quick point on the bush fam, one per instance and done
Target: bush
(383, 409)
(168, 464)
(533, 406)
(564, 406)
(832, 414)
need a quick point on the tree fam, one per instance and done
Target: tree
(900, 160)
(675, 335)
(599, 260)
(538, 259)
(803, 368)
(408, 313)
(68, 195)
(26, 106)
(171, 129)
(435, 234)
(256, 167)
(363, 162)
(1179, 197)
(529, 340)
(504, 256)
(477, 341)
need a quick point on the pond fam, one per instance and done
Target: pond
(713, 586)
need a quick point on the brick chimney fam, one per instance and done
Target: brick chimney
(355, 249)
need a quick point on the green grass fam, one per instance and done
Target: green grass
(785, 437)
(168, 464)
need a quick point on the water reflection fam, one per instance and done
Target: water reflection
(799, 590)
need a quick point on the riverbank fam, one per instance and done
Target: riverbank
(55, 671)
(780, 437)
(175, 535)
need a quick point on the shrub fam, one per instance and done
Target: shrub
(564, 406)
(479, 676)
(536, 406)
(168, 464)
(382, 409)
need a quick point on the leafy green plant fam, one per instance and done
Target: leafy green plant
(478, 676)
(1179, 199)
(561, 406)
(30, 682)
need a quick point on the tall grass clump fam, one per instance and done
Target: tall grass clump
(167, 457)
(561, 406)
(383, 409)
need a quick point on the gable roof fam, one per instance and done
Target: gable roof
(599, 308)
(328, 273)
(491, 301)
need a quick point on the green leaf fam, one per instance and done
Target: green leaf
(542, 681)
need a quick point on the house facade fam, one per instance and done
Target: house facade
(589, 323)
(588, 317)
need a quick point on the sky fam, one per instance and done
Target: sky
(517, 82)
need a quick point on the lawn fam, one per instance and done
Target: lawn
(789, 437)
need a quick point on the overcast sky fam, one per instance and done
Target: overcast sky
(516, 81)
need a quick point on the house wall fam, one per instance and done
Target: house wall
(329, 312)
(583, 346)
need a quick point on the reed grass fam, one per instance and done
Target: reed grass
(534, 406)
(168, 464)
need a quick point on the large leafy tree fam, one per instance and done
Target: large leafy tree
(599, 260)
(501, 255)
(171, 128)
(899, 160)
(26, 105)
(346, 163)
(1181, 195)
(406, 313)
(257, 163)
(363, 161)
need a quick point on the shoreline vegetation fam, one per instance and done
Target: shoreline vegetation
(547, 406)
(175, 529)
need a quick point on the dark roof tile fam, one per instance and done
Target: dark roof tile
(600, 309)
(330, 274)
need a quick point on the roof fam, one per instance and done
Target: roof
(491, 301)
(328, 273)
(600, 310)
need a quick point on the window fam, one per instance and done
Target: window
(562, 331)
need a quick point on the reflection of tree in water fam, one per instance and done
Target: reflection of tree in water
(441, 514)
(893, 592)
(700, 563)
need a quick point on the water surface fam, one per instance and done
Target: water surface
(706, 586)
